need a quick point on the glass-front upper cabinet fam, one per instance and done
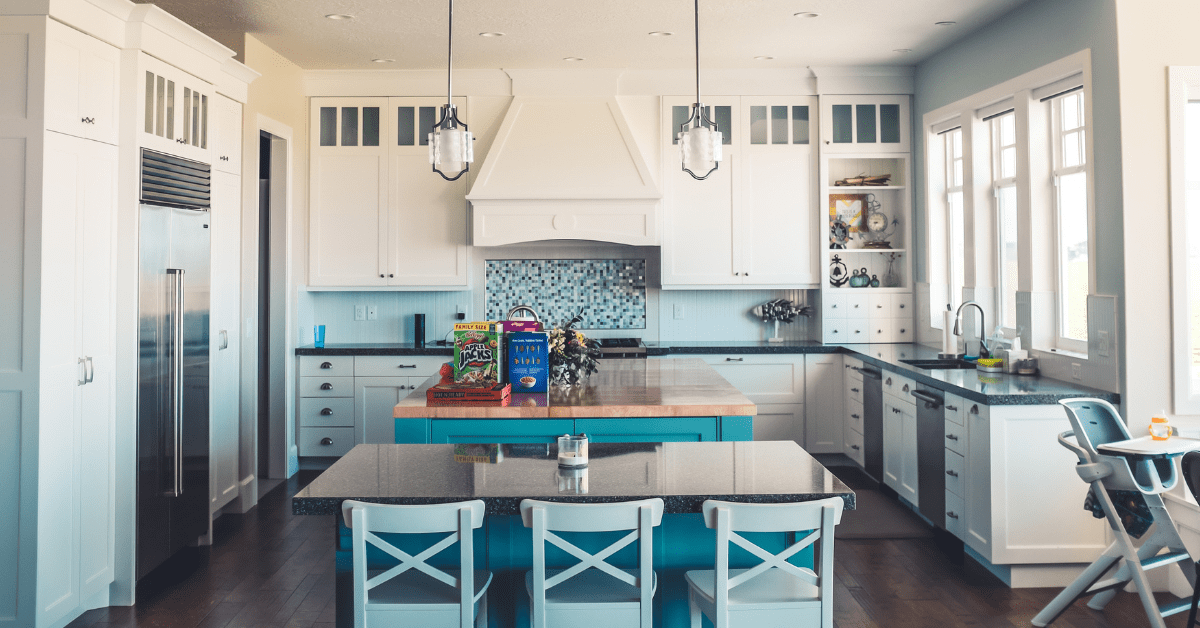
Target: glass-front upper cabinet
(354, 125)
(174, 111)
(865, 124)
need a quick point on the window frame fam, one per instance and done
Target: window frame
(1183, 88)
(1000, 183)
(955, 225)
(1057, 134)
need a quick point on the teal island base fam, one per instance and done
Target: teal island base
(599, 430)
(504, 546)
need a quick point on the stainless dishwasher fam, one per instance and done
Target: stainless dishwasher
(873, 422)
(931, 454)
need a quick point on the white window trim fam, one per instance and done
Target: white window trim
(999, 183)
(954, 289)
(937, 250)
(1183, 87)
(1061, 341)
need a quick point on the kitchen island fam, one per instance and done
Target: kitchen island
(682, 474)
(664, 400)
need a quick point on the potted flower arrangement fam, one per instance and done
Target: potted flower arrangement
(780, 310)
(572, 355)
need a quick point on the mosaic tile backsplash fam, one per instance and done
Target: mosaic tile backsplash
(612, 293)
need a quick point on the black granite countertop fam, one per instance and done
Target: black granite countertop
(994, 389)
(684, 475)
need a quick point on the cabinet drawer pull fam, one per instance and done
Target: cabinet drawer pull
(326, 441)
(951, 437)
(407, 366)
(952, 408)
(950, 513)
(327, 412)
(951, 473)
(326, 386)
(853, 390)
(327, 365)
(905, 389)
(735, 359)
(854, 416)
(896, 410)
(889, 381)
(855, 447)
(975, 409)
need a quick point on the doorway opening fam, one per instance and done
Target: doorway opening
(272, 306)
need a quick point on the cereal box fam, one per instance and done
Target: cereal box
(527, 361)
(478, 353)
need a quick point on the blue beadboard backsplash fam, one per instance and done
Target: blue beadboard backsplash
(612, 292)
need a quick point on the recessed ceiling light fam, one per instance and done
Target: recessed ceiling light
(807, 14)
(763, 58)
(572, 58)
(339, 16)
(661, 33)
(945, 23)
(491, 34)
(902, 50)
(383, 60)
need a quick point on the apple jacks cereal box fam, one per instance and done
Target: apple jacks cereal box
(478, 353)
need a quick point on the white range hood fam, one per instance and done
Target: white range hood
(564, 168)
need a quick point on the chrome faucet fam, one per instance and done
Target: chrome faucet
(522, 308)
(983, 349)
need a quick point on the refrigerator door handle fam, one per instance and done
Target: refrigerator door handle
(83, 378)
(91, 370)
(177, 380)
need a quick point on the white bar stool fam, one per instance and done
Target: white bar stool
(414, 593)
(592, 592)
(1110, 460)
(776, 592)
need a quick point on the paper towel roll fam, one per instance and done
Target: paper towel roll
(949, 345)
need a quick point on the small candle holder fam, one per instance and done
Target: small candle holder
(573, 450)
(572, 480)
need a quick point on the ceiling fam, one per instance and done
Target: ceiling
(603, 33)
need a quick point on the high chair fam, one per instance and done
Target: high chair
(1110, 460)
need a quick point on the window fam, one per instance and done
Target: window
(955, 233)
(1068, 140)
(1004, 190)
(1184, 104)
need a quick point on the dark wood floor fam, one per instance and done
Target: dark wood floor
(271, 569)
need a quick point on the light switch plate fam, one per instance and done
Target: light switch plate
(360, 312)
(1076, 371)
(678, 311)
(1102, 343)
(372, 313)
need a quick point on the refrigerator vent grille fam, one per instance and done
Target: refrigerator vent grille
(175, 182)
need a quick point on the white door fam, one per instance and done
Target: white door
(224, 390)
(780, 421)
(82, 74)
(823, 382)
(374, 401)
(908, 466)
(893, 454)
(428, 219)
(226, 121)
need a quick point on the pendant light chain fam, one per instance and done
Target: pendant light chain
(450, 55)
(699, 138)
(450, 140)
(697, 24)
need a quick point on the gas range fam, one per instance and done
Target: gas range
(613, 348)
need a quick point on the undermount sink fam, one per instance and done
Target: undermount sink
(940, 364)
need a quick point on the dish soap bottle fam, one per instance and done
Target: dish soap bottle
(1160, 428)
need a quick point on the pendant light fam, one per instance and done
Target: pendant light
(450, 143)
(699, 143)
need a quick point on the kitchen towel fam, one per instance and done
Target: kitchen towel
(949, 346)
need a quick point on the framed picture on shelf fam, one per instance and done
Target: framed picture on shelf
(847, 220)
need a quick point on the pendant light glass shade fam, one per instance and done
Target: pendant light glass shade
(699, 139)
(451, 148)
(700, 145)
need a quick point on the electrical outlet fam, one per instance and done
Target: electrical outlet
(372, 313)
(360, 312)
(1102, 343)
(678, 311)
(460, 313)
(1076, 371)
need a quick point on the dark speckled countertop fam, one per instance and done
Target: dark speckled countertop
(684, 475)
(995, 389)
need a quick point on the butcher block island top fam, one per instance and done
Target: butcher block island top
(621, 388)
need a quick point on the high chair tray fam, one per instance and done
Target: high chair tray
(1146, 447)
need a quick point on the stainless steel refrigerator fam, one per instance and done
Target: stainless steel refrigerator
(173, 365)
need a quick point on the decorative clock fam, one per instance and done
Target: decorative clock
(878, 226)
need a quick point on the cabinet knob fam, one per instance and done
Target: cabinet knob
(950, 513)
(902, 306)
(390, 275)
(952, 473)
(326, 386)
(327, 412)
(853, 390)
(889, 381)
(746, 274)
(951, 437)
(952, 408)
(975, 409)
(736, 274)
(326, 441)
(326, 365)
(854, 416)
(902, 330)
(381, 275)
(905, 389)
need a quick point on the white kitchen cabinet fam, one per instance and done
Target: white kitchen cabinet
(824, 425)
(227, 135)
(751, 222)
(82, 79)
(900, 465)
(763, 378)
(893, 439)
(374, 399)
(174, 111)
(852, 409)
(379, 216)
(909, 466)
(77, 384)
(225, 219)
(856, 124)
(780, 421)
